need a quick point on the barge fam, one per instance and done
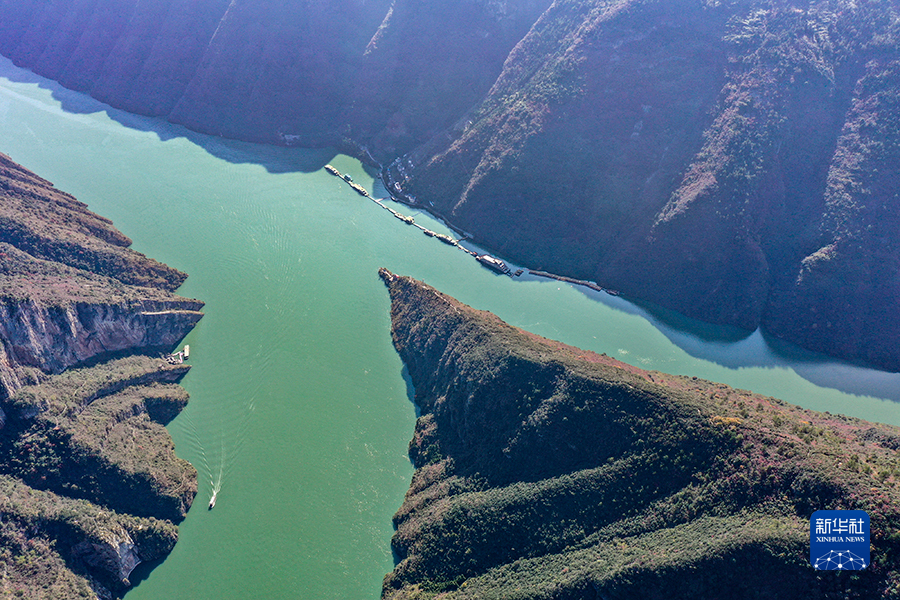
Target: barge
(495, 264)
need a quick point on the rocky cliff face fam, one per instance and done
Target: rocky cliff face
(88, 473)
(708, 157)
(734, 161)
(71, 289)
(52, 339)
(55, 547)
(543, 471)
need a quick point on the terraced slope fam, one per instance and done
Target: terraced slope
(89, 482)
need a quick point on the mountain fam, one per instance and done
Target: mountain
(545, 471)
(735, 161)
(89, 480)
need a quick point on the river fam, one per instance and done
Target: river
(299, 409)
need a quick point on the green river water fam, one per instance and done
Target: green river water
(299, 409)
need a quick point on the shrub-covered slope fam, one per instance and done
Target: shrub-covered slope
(52, 225)
(70, 287)
(734, 161)
(53, 547)
(544, 471)
(89, 482)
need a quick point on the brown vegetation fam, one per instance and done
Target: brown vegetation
(735, 161)
(544, 471)
(89, 482)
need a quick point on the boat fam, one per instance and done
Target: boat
(332, 170)
(445, 238)
(359, 189)
(492, 263)
(212, 501)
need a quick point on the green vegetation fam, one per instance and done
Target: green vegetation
(46, 223)
(70, 288)
(734, 161)
(97, 433)
(89, 482)
(544, 471)
(46, 539)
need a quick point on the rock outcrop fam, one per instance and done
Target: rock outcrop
(545, 471)
(71, 289)
(57, 547)
(90, 482)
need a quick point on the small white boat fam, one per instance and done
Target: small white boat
(212, 501)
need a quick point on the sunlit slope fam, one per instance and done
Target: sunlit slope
(735, 161)
(89, 482)
(547, 471)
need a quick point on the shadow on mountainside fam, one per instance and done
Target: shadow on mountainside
(726, 346)
(735, 348)
(275, 159)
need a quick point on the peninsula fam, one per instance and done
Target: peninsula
(89, 482)
(545, 471)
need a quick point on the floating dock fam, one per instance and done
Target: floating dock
(588, 284)
(178, 357)
(487, 260)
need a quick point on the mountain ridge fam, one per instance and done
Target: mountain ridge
(734, 161)
(545, 471)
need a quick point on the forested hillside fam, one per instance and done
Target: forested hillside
(544, 471)
(90, 485)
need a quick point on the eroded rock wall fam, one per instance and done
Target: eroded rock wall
(90, 482)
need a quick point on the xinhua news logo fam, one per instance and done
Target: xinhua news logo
(839, 540)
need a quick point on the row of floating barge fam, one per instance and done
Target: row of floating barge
(493, 263)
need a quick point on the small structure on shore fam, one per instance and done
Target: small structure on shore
(179, 357)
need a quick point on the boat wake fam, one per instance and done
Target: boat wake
(215, 465)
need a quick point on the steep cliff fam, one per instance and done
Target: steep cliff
(252, 69)
(89, 478)
(544, 471)
(52, 546)
(71, 289)
(735, 161)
